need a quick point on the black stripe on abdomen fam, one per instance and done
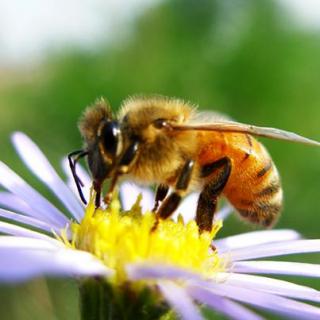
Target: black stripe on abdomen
(264, 170)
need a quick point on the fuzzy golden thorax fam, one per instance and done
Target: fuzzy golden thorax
(162, 152)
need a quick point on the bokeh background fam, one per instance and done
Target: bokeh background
(257, 61)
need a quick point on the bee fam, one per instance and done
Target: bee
(166, 142)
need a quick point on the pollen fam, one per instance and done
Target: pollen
(121, 237)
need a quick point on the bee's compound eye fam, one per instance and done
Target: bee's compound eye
(110, 137)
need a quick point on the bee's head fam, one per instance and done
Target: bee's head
(109, 151)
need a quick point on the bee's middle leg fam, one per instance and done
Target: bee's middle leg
(207, 203)
(171, 203)
(161, 193)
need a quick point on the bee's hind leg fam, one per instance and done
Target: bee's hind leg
(220, 171)
(171, 203)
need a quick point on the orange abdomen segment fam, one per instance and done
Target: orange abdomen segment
(253, 187)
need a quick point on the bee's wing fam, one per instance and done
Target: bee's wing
(201, 117)
(230, 126)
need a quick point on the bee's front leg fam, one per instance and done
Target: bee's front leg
(123, 167)
(97, 185)
(171, 203)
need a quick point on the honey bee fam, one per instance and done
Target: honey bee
(166, 142)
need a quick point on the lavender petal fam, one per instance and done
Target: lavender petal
(129, 193)
(224, 306)
(40, 166)
(11, 229)
(141, 271)
(188, 207)
(179, 300)
(21, 265)
(14, 203)
(42, 208)
(254, 238)
(224, 212)
(277, 267)
(27, 220)
(291, 308)
(273, 249)
(27, 243)
(274, 286)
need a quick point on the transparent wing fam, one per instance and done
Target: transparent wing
(202, 117)
(230, 126)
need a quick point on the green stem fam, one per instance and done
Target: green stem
(101, 301)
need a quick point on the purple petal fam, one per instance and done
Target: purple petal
(254, 238)
(224, 212)
(227, 307)
(26, 243)
(129, 193)
(42, 208)
(15, 203)
(277, 267)
(275, 303)
(40, 166)
(82, 174)
(274, 286)
(188, 207)
(27, 220)
(273, 249)
(21, 264)
(14, 230)
(179, 300)
(140, 271)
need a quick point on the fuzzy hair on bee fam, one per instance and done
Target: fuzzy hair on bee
(92, 119)
(167, 142)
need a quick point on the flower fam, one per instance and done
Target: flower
(114, 248)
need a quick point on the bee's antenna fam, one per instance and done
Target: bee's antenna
(78, 154)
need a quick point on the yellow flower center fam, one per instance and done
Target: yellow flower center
(119, 238)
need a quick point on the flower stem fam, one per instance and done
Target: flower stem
(102, 301)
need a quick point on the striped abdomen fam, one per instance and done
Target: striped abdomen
(254, 187)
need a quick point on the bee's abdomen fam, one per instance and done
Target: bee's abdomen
(254, 188)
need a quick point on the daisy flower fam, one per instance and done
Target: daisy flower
(126, 271)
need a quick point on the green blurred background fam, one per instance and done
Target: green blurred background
(249, 59)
